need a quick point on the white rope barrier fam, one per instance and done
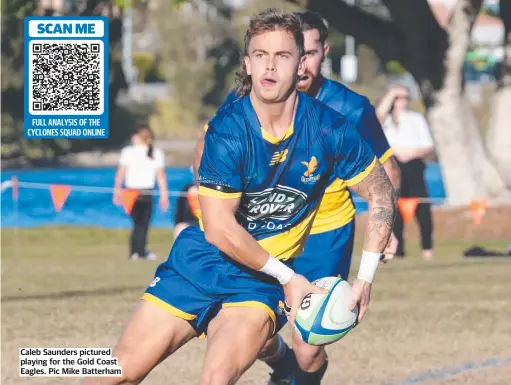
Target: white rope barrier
(91, 189)
(6, 184)
(109, 190)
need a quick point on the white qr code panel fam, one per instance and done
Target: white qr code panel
(66, 77)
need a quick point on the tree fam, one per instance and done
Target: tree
(196, 61)
(435, 57)
(499, 132)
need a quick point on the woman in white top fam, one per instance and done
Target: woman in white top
(141, 165)
(408, 134)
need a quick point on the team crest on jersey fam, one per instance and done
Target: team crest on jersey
(308, 176)
(281, 310)
(281, 202)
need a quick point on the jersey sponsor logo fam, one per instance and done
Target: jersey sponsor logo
(279, 157)
(280, 202)
(311, 166)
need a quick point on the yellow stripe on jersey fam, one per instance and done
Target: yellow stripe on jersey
(386, 156)
(208, 192)
(360, 177)
(270, 138)
(289, 244)
(335, 210)
(206, 126)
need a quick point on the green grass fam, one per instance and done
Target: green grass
(74, 287)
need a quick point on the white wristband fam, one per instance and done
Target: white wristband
(277, 270)
(368, 265)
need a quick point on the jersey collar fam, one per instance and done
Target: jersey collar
(253, 121)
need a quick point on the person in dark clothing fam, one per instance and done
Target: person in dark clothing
(409, 136)
(141, 165)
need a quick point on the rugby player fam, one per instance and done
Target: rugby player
(267, 161)
(328, 249)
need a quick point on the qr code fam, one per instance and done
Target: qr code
(66, 77)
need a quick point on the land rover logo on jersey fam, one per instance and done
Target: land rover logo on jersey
(280, 202)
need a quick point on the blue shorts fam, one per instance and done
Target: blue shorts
(327, 254)
(198, 280)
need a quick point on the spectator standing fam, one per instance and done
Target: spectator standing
(141, 165)
(409, 136)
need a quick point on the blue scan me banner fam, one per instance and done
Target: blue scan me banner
(66, 77)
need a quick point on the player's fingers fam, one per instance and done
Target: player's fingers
(318, 290)
(294, 309)
(386, 258)
(353, 302)
(361, 312)
(360, 315)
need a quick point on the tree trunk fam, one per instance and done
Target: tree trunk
(499, 133)
(467, 170)
(498, 140)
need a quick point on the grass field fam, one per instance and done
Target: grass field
(74, 287)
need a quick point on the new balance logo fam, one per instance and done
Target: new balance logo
(278, 157)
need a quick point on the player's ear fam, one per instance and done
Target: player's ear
(247, 65)
(301, 65)
(326, 49)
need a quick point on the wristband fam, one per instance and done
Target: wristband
(368, 265)
(277, 270)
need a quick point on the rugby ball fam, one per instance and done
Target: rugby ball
(324, 318)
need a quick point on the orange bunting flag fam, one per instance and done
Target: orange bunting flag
(407, 207)
(193, 200)
(128, 199)
(59, 194)
(478, 208)
(15, 188)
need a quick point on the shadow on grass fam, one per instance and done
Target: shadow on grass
(72, 294)
(120, 290)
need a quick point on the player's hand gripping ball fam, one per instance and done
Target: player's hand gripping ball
(324, 318)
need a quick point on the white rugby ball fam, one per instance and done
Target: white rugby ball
(324, 318)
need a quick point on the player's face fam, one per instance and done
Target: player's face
(274, 65)
(315, 53)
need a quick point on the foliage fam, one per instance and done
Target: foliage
(148, 68)
(395, 68)
(196, 61)
(168, 119)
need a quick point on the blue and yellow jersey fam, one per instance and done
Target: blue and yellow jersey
(337, 207)
(280, 182)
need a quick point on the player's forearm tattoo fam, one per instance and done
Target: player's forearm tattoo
(382, 194)
(378, 190)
